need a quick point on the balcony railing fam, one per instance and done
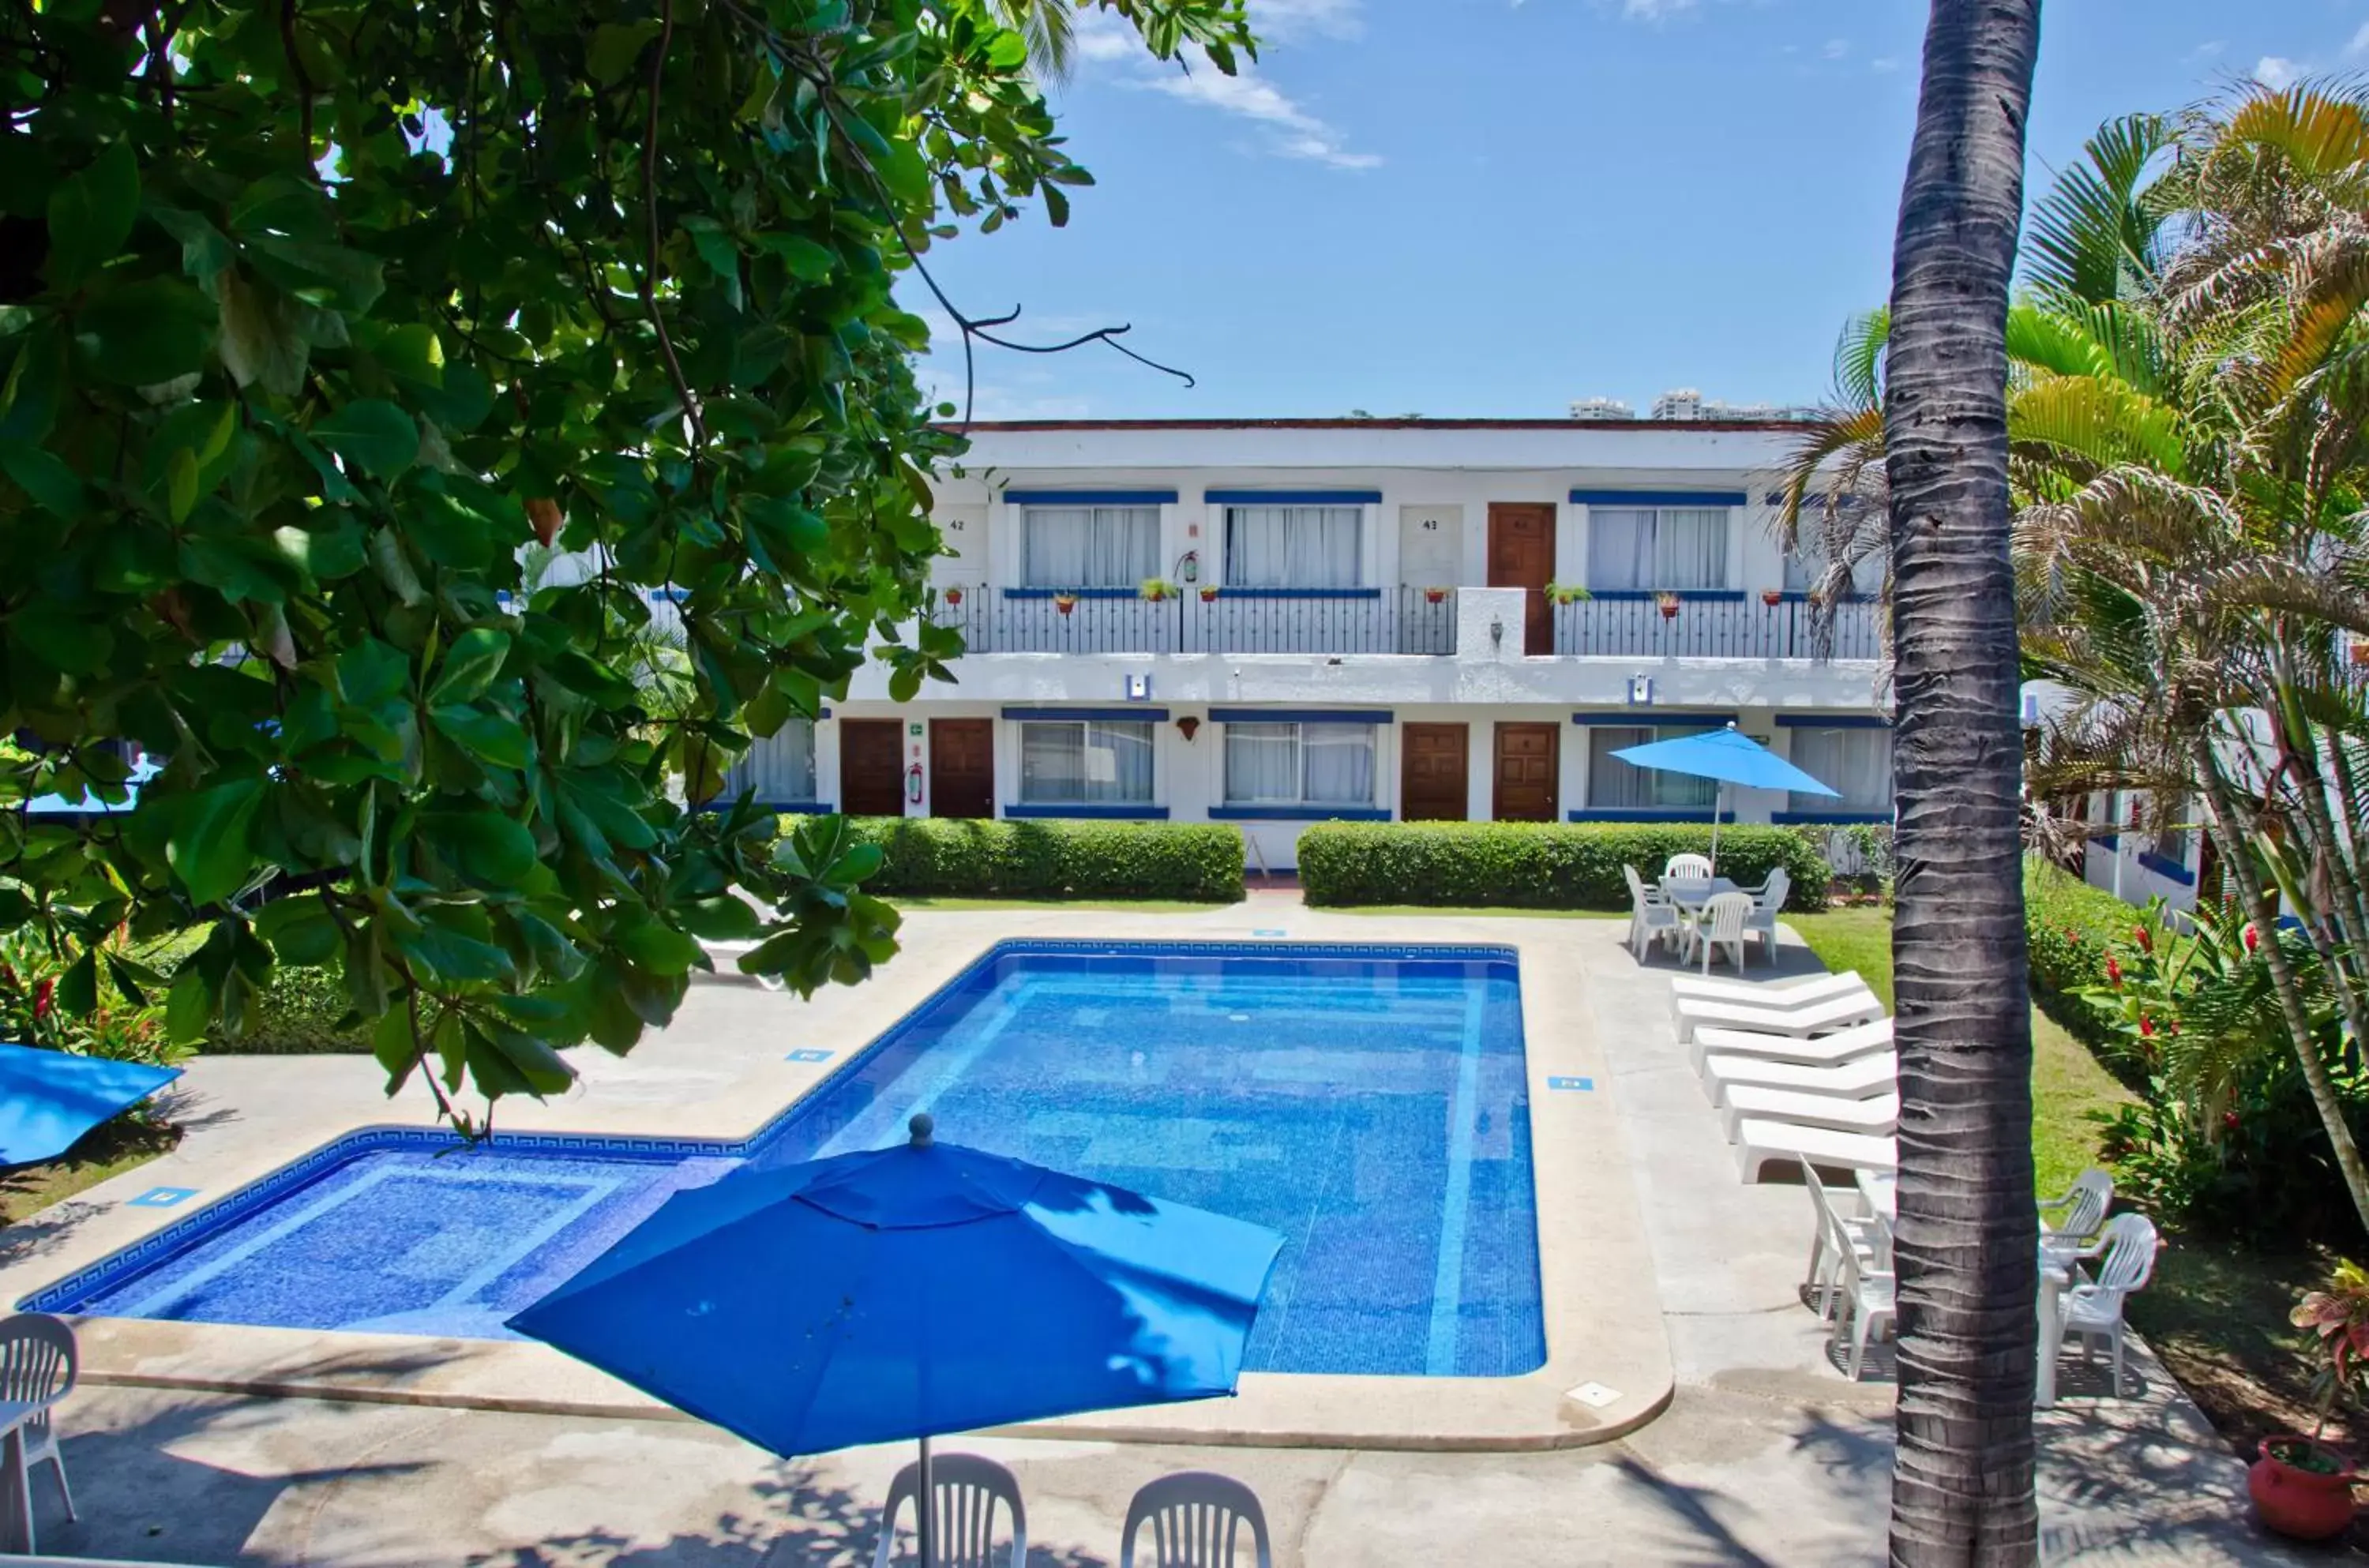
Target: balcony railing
(1237, 620)
(1713, 625)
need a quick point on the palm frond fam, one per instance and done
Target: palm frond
(2095, 237)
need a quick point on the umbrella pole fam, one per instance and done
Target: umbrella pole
(923, 1521)
(1718, 799)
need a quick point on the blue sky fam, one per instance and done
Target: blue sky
(1492, 207)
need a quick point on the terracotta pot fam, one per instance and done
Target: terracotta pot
(2302, 1503)
(953, 596)
(1669, 609)
(1434, 595)
(1208, 596)
(1772, 597)
(1065, 605)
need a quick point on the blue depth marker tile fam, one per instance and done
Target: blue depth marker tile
(808, 1056)
(1266, 933)
(163, 1198)
(1560, 1082)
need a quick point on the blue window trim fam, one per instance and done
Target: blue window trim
(1686, 595)
(1108, 714)
(2107, 841)
(801, 808)
(1292, 497)
(1833, 721)
(1074, 594)
(1636, 814)
(1660, 498)
(1300, 715)
(668, 595)
(1227, 592)
(1089, 497)
(1087, 813)
(2167, 868)
(1826, 819)
(1647, 718)
(1298, 814)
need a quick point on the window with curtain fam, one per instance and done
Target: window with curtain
(1085, 763)
(1647, 548)
(1616, 785)
(780, 768)
(1293, 546)
(1857, 762)
(1089, 547)
(1300, 764)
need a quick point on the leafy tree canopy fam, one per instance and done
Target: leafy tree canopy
(315, 314)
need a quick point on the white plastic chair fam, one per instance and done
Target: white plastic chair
(1766, 993)
(2084, 1205)
(962, 1528)
(1819, 1017)
(1874, 1073)
(1820, 1050)
(1652, 918)
(1829, 1229)
(1688, 868)
(1721, 925)
(39, 1364)
(1762, 921)
(1758, 1142)
(2093, 1307)
(1196, 1518)
(1863, 1292)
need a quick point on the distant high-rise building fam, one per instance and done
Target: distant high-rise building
(1685, 403)
(1601, 408)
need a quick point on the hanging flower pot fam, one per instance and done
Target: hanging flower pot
(1210, 594)
(1065, 603)
(953, 596)
(1434, 595)
(1772, 597)
(1669, 602)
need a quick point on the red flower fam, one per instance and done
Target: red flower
(2229, 1121)
(2253, 939)
(42, 994)
(2113, 972)
(2146, 942)
(2072, 935)
(2146, 1028)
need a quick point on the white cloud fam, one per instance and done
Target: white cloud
(1099, 36)
(2360, 44)
(1283, 20)
(1835, 48)
(2211, 49)
(1293, 131)
(1884, 63)
(1652, 10)
(2277, 73)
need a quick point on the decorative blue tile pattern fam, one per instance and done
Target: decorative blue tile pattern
(1368, 1100)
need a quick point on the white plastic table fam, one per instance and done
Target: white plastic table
(1693, 893)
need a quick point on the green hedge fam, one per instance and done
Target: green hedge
(2067, 924)
(1196, 861)
(1535, 866)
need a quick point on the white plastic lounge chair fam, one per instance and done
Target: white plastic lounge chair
(1832, 1229)
(1652, 918)
(1196, 1517)
(1810, 1018)
(963, 1527)
(1873, 1073)
(1757, 1142)
(1766, 903)
(2083, 1209)
(1687, 868)
(1721, 925)
(1821, 1050)
(39, 1364)
(2093, 1307)
(1876, 1113)
(1765, 993)
(726, 955)
(1865, 1298)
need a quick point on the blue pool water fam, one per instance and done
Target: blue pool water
(1368, 1105)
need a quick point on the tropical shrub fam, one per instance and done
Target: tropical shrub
(113, 1025)
(952, 857)
(1536, 864)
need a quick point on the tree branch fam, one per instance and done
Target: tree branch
(650, 211)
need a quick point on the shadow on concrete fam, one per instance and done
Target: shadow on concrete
(1704, 1536)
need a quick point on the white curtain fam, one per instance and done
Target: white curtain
(1262, 764)
(1089, 547)
(1638, 548)
(1339, 762)
(1064, 763)
(780, 770)
(1619, 548)
(1616, 785)
(1293, 546)
(1857, 762)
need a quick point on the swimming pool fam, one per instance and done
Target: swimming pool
(1368, 1102)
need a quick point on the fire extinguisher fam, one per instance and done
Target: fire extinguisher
(913, 783)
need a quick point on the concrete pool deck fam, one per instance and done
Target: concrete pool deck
(1763, 1455)
(723, 1069)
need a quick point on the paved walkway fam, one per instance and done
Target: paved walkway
(1764, 1455)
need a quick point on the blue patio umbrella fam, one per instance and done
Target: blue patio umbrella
(907, 1291)
(1729, 756)
(48, 1099)
(87, 803)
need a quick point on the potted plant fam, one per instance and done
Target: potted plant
(1772, 597)
(2302, 1486)
(1668, 604)
(1157, 589)
(1065, 603)
(953, 596)
(1208, 593)
(1435, 595)
(1565, 593)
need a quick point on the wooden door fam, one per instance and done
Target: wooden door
(1521, 554)
(962, 767)
(871, 767)
(1432, 773)
(1528, 759)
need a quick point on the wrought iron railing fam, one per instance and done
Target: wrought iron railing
(1316, 620)
(1714, 625)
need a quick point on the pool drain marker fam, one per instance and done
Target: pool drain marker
(1266, 931)
(163, 1198)
(1560, 1082)
(1595, 1396)
(808, 1056)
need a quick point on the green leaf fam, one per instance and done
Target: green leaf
(262, 341)
(614, 47)
(659, 948)
(372, 433)
(78, 993)
(182, 483)
(44, 476)
(371, 672)
(146, 333)
(211, 846)
(188, 1006)
(330, 548)
(204, 250)
(392, 1044)
(299, 930)
(483, 846)
(488, 736)
(91, 214)
(470, 666)
(455, 958)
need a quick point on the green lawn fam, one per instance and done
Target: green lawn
(107, 1151)
(1126, 906)
(2067, 1081)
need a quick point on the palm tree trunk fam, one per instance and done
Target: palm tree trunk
(1967, 1235)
